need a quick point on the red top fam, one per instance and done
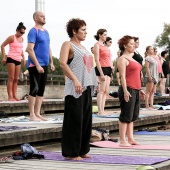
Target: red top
(133, 79)
(104, 56)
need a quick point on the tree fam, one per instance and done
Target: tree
(163, 40)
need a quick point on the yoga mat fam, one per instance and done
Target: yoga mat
(116, 116)
(10, 128)
(144, 132)
(110, 159)
(108, 144)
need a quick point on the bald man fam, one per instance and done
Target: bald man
(39, 57)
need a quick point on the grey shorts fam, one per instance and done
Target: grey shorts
(153, 79)
(130, 109)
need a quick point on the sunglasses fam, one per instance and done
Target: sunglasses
(22, 32)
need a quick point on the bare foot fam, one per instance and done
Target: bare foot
(34, 118)
(86, 156)
(11, 99)
(41, 118)
(125, 144)
(16, 99)
(77, 158)
(149, 108)
(133, 142)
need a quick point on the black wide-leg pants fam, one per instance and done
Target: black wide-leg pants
(77, 125)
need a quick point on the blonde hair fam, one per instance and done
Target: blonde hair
(147, 48)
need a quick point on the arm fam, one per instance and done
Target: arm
(30, 51)
(51, 61)
(148, 70)
(66, 51)
(121, 64)
(6, 42)
(23, 58)
(96, 56)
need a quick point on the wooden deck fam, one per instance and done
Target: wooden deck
(58, 105)
(66, 165)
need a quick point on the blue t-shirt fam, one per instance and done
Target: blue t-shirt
(41, 39)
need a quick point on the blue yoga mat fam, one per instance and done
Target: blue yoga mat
(116, 116)
(144, 132)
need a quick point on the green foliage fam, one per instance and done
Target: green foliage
(57, 70)
(2, 67)
(163, 40)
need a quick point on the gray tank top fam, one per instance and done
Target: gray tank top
(82, 67)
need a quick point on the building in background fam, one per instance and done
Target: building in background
(40, 5)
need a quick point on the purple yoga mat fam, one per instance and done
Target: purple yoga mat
(10, 128)
(109, 159)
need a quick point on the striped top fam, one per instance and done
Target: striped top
(15, 49)
(82, 68)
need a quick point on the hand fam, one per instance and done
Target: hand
(150, 79)
(78, 87)
(23, 61)
(102, 78)
(142, 95)
(4, 61)
(52, 67)
(127, 96)
(40, 69)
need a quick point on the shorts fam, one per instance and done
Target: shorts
(107, 71)
(130, 109)
(153, 79)
(10, 60)
(165, 76)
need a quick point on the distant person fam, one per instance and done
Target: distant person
(151, 77)
(108, 43)
(117, 70)
(38, 60)
(129, 91)
(13, 60)
(158, 59)
(165, 69)
(103, 68)
(136, 55)
(77, 64)
(92, 51)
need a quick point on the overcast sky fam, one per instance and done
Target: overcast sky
(142, 18)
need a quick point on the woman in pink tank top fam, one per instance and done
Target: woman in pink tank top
(129, 91)
(103, 68)
(13, 60)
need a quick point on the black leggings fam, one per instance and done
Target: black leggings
(77, 125)
(37, 81)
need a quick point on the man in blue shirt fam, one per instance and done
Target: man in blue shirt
(40, 56)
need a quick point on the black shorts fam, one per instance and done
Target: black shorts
(130, 109)
(10, 60)
(37, 81)
(107, 71)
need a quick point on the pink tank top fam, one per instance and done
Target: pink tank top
(15, 49)
(133, 79)
(159, 64)
(104, 56)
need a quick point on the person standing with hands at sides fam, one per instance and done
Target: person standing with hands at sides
(13, 60)
(136, 55)
(129, 91)
(103, 68)
(77, 65)
(39, 57)
(151, 77)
